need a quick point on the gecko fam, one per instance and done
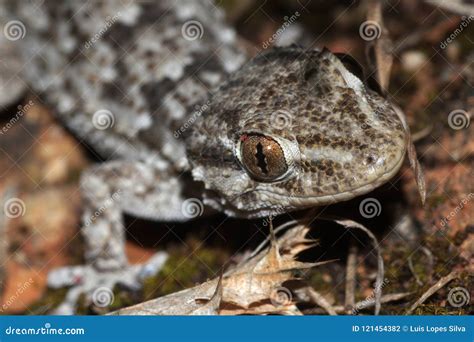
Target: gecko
(185, 119)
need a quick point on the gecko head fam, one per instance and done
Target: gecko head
(293, 129)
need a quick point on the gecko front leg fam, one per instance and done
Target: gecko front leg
(110, 190)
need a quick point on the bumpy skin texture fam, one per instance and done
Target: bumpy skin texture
(130, 58)
(340, 138)
(318, 133)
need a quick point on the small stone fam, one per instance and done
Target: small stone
(413, 60)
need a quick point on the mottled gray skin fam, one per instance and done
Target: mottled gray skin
(141, 68)
(341, 138)
(176, 130)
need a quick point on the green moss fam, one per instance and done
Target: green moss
(185, 268)
(401, 279)
(122, 298)
(316, 280)
(75, 175)
(436, 309)
(51, 300)
(433, 201)
(82, 307)
(465, 41)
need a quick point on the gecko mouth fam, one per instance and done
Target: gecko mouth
(295, 202)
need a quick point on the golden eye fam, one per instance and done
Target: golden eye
(262, 157)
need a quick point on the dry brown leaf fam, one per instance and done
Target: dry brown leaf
(210, 307)
(416, 167)
(381, 47)
(412, 157)
(253, 287)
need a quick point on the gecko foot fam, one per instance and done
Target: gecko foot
(97, 285)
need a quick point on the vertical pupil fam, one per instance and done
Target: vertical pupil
(262, 164)
(262, 157)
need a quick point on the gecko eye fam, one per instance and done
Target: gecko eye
(262, 157)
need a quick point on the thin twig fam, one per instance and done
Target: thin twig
(456, 6)
(365, 304)
(351, 277)
(370, 302)
(320, 300)
(380, 266)
(412, 157)
(429, 255)
(412, 270)
(423, 133)
(433, 289)
(264, 242)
